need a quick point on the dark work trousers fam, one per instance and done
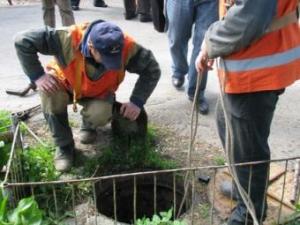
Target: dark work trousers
(250, 116)
(75, 2)
(143, 7)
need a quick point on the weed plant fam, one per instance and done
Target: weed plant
(127, 154)
(294, 219)
(4, 120)
(164, 218)
(38, 166)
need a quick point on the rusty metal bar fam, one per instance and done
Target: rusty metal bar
(193, 197)
(231, 194)
(147, 173)
(155, 193)
(134, 198)
(296, 185)
(32, 191)
(115, 202)
(265, 198)
(213, 199)
(55, 200)
(283, 188)
(95, 202)
(174, 194)
(73, 204)
(249, 192)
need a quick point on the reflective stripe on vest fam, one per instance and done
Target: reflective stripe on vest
(74, 76)
(271, 62)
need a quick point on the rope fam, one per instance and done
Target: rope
(193, 133)
(229, 155)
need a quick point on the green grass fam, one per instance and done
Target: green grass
(4, 120)
(204, 210)
(293, 219)
(140, 155)
(220, 160)
(5, 150)
(38, 166)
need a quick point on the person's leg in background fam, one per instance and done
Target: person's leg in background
(55, 111)
(180, 19)
(95, 113)
(75, 4)
(100, 3)
(144, 9)
(48, 7)
(205, 13)
(130, 9)
(250, 117)
(66, 12)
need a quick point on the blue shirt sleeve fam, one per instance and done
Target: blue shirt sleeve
(245, 21)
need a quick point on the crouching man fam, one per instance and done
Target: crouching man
(89, 64)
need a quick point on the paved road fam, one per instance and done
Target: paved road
(166, 106)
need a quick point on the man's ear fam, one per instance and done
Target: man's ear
(90, 45)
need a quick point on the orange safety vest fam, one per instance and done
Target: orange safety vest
(74, 75)
(271, 62)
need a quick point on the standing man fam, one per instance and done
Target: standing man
(90, 63)
(65, 11)
(182, 16)
(96, 3)
(142, 7)
(253, 73)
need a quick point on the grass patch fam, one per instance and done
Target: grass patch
(38, 166)
(204, 210)
(134, 155)
(163, 218)
(5, 121)
(293, 219)
(220, 160)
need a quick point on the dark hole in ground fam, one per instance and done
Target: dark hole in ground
(144, 196)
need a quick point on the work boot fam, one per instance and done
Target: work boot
(100, 3)
(75, 7)
(87, 136)
(177, 82)
(145, 18)
(227, 189)
(130, 15)
(203, 106)
(64, 157)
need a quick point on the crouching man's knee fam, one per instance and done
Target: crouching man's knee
(54, 103)
(97, 112)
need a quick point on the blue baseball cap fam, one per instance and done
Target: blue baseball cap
(108, 39)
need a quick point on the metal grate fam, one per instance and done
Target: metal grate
(17, 187)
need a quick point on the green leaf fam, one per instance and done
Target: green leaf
(26, 213)
(3, 207)
(156, 219)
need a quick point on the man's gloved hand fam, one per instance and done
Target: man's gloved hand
(48, 83)
(130, 111)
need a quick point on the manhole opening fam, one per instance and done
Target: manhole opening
(144, 197)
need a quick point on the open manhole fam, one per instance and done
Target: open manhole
(145, 189)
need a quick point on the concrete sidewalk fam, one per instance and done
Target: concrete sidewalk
(167, 106)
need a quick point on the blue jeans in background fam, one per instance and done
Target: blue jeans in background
(182, 15)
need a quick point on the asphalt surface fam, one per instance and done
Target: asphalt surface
(167, 106)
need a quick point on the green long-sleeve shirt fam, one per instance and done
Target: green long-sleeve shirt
(57, 42)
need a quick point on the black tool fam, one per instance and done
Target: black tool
(23, 92)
